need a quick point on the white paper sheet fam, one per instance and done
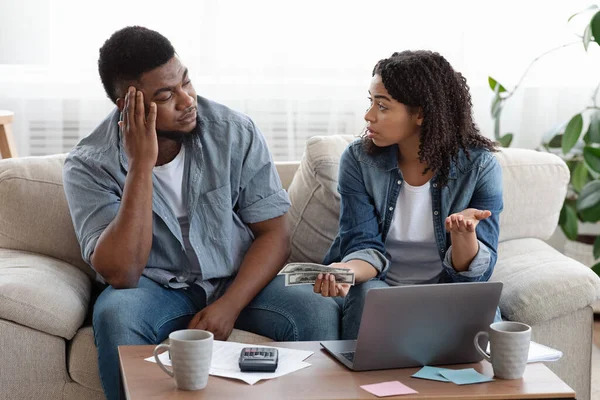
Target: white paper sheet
(539, 352)
(226, 355)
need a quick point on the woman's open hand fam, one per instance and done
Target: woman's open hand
(466, 220)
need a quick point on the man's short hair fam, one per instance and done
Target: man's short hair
(129, 53)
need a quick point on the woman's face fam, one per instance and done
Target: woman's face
(389, 121)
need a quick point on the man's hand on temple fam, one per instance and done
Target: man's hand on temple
(139, 131)
(218, 318)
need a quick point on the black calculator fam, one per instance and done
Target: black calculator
(258, 359)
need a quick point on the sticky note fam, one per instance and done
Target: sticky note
(392, 388)
(431, 373)
(465, 376)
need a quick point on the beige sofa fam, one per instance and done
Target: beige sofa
(46, 344)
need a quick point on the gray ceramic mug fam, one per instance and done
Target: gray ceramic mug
(509, 348)
(191, 355)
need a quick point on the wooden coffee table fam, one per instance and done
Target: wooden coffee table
(328, 379)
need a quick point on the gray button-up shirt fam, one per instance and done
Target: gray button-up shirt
(230, 180)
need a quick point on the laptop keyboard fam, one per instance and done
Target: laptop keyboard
(349, 355)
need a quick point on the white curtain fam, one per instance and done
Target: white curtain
(298, 69)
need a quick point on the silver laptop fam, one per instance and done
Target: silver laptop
(410, 326)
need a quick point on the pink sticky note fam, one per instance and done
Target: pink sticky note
(392, 388)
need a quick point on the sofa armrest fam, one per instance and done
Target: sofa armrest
(42, 293)
(540, 283)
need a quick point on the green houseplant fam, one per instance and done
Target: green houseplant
(577, 142)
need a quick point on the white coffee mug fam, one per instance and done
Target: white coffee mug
(509, 348)
(191, 355)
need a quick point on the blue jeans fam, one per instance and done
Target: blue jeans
(354, 302)
(148, 313)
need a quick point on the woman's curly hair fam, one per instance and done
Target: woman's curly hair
(425, 80)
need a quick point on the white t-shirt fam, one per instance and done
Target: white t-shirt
(411, 239)
(170, 178)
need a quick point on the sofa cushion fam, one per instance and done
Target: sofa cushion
(286, 171)
(82, 362)
(34, 216)
(42, 293)
(315, 209)
(535, 185)
(32, 363)
(238, 335)
(540, 283)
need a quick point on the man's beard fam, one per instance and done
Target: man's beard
(180, 136)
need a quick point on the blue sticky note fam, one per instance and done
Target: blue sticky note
(431, 373)
(465, 376)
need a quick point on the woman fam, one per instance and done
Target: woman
(421, 191)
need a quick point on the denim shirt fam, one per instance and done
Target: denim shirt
(369, 186)
(230, 181)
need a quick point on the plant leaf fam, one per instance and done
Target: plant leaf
(595, 25)
(492, 82)
(593, 132)
(588, 202)
(587, 36)
(596, 268)
(572, 132)
(580, 176)
(506, 140)
(592, 7)
(568, 221)
(597, 248)
(555, 142)
(591, 155)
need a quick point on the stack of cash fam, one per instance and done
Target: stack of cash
(307, 273)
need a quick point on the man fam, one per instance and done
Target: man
(178, 208)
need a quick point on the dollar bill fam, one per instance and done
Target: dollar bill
(292, 268)
(309, 278)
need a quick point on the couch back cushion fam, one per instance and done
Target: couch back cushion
(315, 200)
(34, 215)
(535, 185)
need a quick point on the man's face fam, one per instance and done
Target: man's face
(171, 89)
